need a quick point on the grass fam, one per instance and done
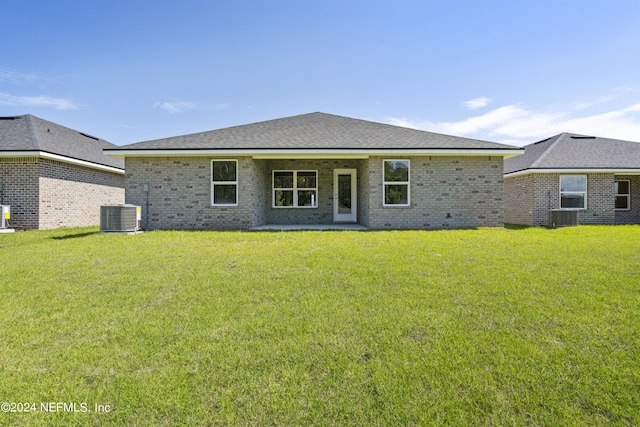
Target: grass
(467, 327)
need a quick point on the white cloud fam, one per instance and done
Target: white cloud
(16, 77)
(174, 107)
(221, 107)
(38, 101)
(519, 125)
(476, 103)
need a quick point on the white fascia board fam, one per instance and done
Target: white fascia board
(316, 154)
(59, 158)
(570, 171)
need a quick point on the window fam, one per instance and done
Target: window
(224, 182)
(573, 191)
(295, 189)
(396, 182)
(623, 190)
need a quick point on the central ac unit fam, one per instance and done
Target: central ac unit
(562, 218)
(120, 218)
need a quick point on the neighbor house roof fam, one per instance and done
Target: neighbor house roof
(569, 151)
(32, 136)
(311, 133)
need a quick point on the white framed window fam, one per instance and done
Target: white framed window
(573, 191)
(395, 181)
(224, 183)
(295, 189)
(623, 194)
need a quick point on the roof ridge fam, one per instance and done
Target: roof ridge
(35, 139)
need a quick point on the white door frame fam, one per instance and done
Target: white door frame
(353, 216)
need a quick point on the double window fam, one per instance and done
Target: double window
(396, 182)
(295, 189)
(224, 183)
(573, 191)
(623, 191)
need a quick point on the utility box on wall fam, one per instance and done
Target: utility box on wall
(5, 216)
(120, 218)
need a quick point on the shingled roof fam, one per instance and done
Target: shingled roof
(315, 131)
(572, 151)
(29, 133)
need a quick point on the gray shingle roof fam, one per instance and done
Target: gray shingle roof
(572, 151)
(30, 133)
(315, 131)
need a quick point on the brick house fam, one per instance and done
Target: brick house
(53, 176)
(316, 169)
(597, 177)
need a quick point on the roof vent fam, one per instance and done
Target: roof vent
(582, 137)
(89, 136)
(540, 142)
(8, 118)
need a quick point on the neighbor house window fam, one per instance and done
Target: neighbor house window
(573, 191)
(622, 189)
(224, 182)
(396, 182)
(295, 189)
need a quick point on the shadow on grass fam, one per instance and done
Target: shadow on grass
(74, 236)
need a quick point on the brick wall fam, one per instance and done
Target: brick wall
(71, 195)
(180, 193)
(518, 200)
(446, 192)
(20, 179)
(538, 192)
(46, 194)
(631, 216)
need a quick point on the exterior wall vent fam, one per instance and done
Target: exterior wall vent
(120, 218)
(562, 218)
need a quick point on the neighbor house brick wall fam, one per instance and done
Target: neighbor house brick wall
(518, 200)
(600, 198)
(543, 190)
(71, 195)
(20, 178)
(46, 194)
(632, 216)
(446, 192)
(180, 193)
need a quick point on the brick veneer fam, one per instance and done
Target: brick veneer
(46, 194)
(446, 192)
(529, 198)
(21, 186)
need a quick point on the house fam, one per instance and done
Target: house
(597, 177)
(316, 169)
(53, 176)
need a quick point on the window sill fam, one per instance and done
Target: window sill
(294, 207)
(223, 206)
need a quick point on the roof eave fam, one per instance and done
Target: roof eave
(315, 153)
(65, 159)
(616, 171)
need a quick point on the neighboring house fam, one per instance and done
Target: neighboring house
(316, 169)
(53, 176)
(598, 177)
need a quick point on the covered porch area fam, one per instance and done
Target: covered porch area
(317, 193)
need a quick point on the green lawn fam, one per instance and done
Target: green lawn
(470, 327)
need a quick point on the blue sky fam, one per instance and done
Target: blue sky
(504, 71)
